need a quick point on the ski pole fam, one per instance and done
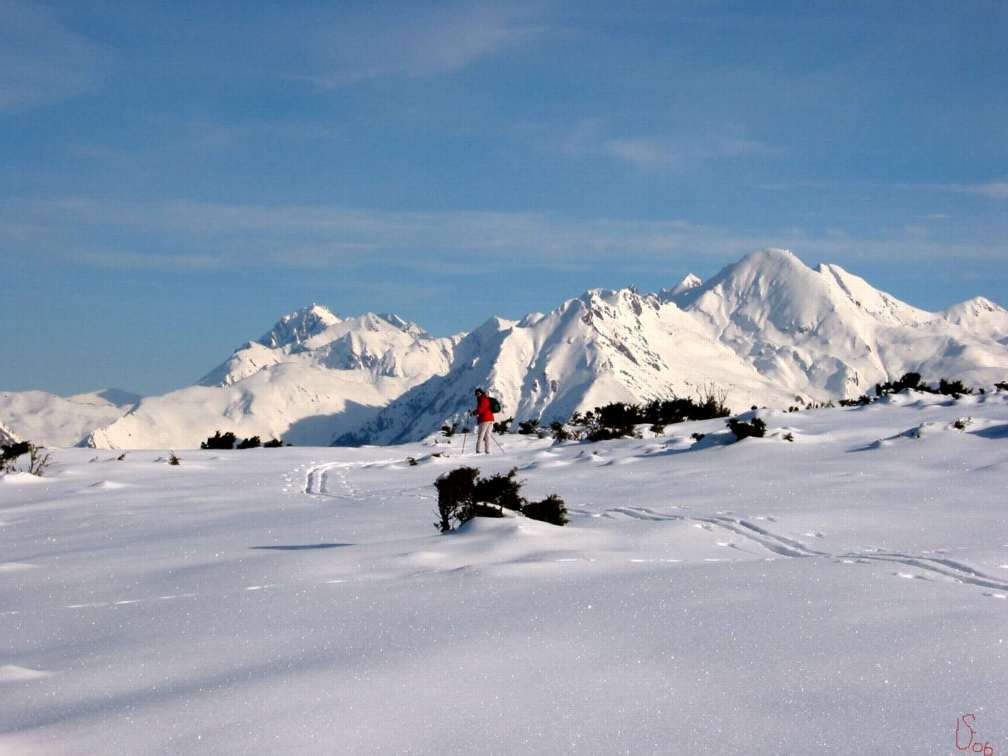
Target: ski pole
(497, 442)
(465, 436)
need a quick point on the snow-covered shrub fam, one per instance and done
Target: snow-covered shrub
(861, 401)
(174, 460)
(500, 490)
(954, 389)
(250, 443)
(961, 423)
(552, 509)
(38, 460)
(559, 431)
(657, 428)
(501, 426)
(756, 428)
(528, 427)
(220, 441)
(10, 452)
(455, 497)
(462, 495)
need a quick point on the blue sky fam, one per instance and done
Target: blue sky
(175, 176)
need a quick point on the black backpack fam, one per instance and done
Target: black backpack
(495, 405)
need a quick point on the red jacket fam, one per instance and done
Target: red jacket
(483, 413)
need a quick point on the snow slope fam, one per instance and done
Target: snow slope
(311, 377)
(52, 420)
(844, 593)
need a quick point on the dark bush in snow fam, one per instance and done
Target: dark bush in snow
(560, 432)
(455, 497)
(501, 426)
(500, 490)
(219, 441)
(861, 401)
(552, 509)
(38, 460)
(250, 443)
(1001, 386)
(742, 429)
(528, 427)
(462, 495)
(953, 388)
(276, 443)
(449, 430)
(173, 459)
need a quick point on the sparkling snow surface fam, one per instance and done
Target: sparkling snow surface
(844, 593)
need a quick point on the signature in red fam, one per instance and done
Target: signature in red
(968, 742)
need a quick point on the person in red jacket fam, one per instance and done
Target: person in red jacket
(484, 416)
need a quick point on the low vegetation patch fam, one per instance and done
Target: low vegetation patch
(38, 459)
(756, 428)
(463, 494)
(230, 441)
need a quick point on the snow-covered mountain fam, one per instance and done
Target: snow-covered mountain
(52, 420)
(7, 436)
(312, 377)
(767, 329)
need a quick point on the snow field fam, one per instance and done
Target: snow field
(834, 595)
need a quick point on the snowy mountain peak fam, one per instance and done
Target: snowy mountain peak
(689, 282)
(299, 326)
(975, 307)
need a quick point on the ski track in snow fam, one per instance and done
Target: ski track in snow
(317, 483)
(787, 547)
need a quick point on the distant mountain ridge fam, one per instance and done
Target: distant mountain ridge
(767, 329)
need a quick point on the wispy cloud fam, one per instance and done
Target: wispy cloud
(594, 137)
(42, 61)
(996, 190)
(202, 236)
(418, 43)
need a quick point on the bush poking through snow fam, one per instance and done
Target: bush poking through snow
(961, 423)
(455, 497)
(501, 426)
(560, 432)
(500, 490)
(789, 436)
(250, 443)
(528, 427)
(174, 460)
(1001, 386)
(276, 443)
(552, 509)
(38, 460)
(955, 389)
(742, 429)
(462, 495)
(220, 441)
(10, 452)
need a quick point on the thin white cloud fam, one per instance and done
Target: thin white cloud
(204, 236)
(418, 43)
(593, 137)
(41, 61)
(996, 190)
